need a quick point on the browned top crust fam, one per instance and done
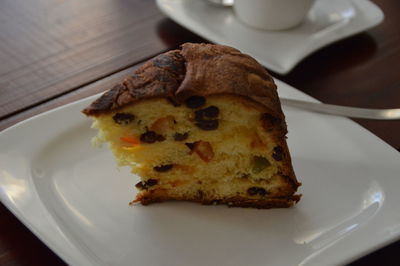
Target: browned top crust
(195, 69)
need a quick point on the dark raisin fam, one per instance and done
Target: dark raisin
(269, 121)
(256, 191)
(209, 112)
(123, 118)
(180, 136)
(151, 137)
(190, 145)
(272, 119)
(252, 191)
(207, 124)
(151, 182)
(278, 153)
(160, 138)
(195, 101)
(163, 168)
(262, 191)
(141, 185)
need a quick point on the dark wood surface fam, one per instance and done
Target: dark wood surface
(50, 47)
(54, 52)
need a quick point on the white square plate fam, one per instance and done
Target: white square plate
(73, 197)
(279, 51)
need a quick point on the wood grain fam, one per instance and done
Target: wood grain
(50, 47)
(86, 91)
(19, 247)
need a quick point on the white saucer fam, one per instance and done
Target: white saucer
(279, 51)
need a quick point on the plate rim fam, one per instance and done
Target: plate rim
(83, 259)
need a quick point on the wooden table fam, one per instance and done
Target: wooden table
(53, 52)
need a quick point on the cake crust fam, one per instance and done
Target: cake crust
(238, 201)
(195, 69)
(205, 70)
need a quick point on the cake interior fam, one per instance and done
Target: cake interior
(211, 149)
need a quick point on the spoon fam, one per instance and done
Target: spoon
(354, 112)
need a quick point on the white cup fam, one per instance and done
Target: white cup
(272, 14)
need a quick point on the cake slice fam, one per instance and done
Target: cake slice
(202, 123)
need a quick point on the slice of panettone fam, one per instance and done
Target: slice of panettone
(202, 123)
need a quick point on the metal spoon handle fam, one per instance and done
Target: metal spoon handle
(221, 2)
(378, 114)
